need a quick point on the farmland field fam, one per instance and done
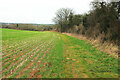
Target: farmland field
(46, 54)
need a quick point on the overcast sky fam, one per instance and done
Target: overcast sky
(38, 11)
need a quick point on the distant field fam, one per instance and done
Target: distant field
(52, 55)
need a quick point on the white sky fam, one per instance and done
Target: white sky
(38, 11)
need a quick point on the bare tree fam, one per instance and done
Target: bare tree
(62, 18)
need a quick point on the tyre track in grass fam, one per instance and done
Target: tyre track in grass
(34, 61)
(27, 62)
(84, 61)
(67, 71)
(21, 60)
(17, 56)
(73, 58)
(72, 70)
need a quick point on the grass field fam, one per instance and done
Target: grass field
(53, 55)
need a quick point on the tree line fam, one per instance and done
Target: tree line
(102, 21)
(31, 27)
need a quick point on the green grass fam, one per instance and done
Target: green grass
(93, 63)
(53, 55)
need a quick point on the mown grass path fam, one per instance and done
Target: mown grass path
(52, 55)
(82, 60)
